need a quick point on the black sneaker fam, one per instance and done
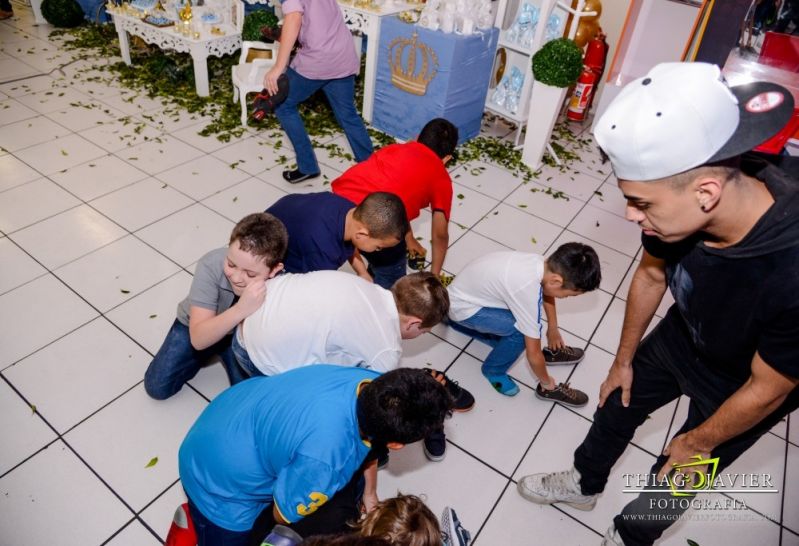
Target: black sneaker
(563, 394)
(435, 446)
(464, 401)
(564, 356)
(295, 176)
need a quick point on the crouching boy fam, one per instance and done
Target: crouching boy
(498, 299)
(284, 446)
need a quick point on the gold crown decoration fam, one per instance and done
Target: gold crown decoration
(407, 77)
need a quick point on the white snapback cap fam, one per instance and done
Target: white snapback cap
(683, 115)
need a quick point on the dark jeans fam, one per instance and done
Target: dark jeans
(665, 366)
(341, 96)
(176, 362)
(389, 265)
(331, 518)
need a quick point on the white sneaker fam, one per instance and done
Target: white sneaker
(612, 537)
(556, 487)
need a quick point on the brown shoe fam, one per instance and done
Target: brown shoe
(563, 394)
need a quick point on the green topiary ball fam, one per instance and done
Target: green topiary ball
(254, 21)
(558, 63)
(62, 13)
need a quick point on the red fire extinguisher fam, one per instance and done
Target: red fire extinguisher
(594, 66)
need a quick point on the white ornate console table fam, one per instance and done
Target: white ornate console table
(200, 47)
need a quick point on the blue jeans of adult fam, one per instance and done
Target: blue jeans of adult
(176, 362)
(665, 366)
(387, 266)
(495, 327)
(341, 96)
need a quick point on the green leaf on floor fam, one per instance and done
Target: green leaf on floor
(64, 152)
(124, 291)
(153, 462)
(153, 316)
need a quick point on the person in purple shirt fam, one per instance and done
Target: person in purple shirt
(326, 60)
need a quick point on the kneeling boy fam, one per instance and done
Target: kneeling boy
(229, 284)
(284, 445)
(334, 317)
(498, 299)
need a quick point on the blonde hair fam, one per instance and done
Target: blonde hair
(403, 520)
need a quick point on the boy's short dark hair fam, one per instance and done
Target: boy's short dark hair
(403, 405)
(439, 135)
(384, 215)
(421, 295)
(262, 235)
(579, 266)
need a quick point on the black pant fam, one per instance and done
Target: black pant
(5, 5)
(665, 366)
(331, 518)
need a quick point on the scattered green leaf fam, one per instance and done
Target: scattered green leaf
(153, 462)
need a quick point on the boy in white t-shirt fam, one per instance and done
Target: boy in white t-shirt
(334, 317)
(498, 299)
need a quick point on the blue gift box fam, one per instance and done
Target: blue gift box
(424, 74)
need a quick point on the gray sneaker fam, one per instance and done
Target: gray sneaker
(452, 532)
(556, 487)
(564, 356)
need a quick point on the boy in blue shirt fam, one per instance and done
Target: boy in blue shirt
(281, 446)
(325, 230)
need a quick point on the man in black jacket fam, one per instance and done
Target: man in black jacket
(723, 235)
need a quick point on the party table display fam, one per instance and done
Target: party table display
(212, 29)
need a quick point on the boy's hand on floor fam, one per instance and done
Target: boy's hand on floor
(253, 297)
(415, 248)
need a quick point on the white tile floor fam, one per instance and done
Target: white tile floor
(100, 230)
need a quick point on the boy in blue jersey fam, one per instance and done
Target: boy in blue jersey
(499, 299)
(325, 230)
(281, 446)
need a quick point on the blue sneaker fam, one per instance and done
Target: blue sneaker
(452, 532)
(503, 384)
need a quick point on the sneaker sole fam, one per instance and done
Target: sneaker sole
(463, 410)
(585, 507)
(570, 404)
(564, 362)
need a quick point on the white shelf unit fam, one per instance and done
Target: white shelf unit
(516, 54)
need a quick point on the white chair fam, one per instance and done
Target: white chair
(248, 77)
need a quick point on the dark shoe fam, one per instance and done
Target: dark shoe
(435, 446)
(464, 401)
(382, 460)
(295, 176)
(563, 394)
(565, 356)
(416, 262)
(6, 14)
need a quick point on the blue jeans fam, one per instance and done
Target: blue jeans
(341, 96)
(496, 328)
(176, 362)
(387, 266)
(243, 358)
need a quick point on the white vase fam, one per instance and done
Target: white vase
(545, 103)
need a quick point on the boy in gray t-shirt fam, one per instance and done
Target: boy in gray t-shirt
(229, 285)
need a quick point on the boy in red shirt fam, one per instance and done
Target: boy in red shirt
(415, 172)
